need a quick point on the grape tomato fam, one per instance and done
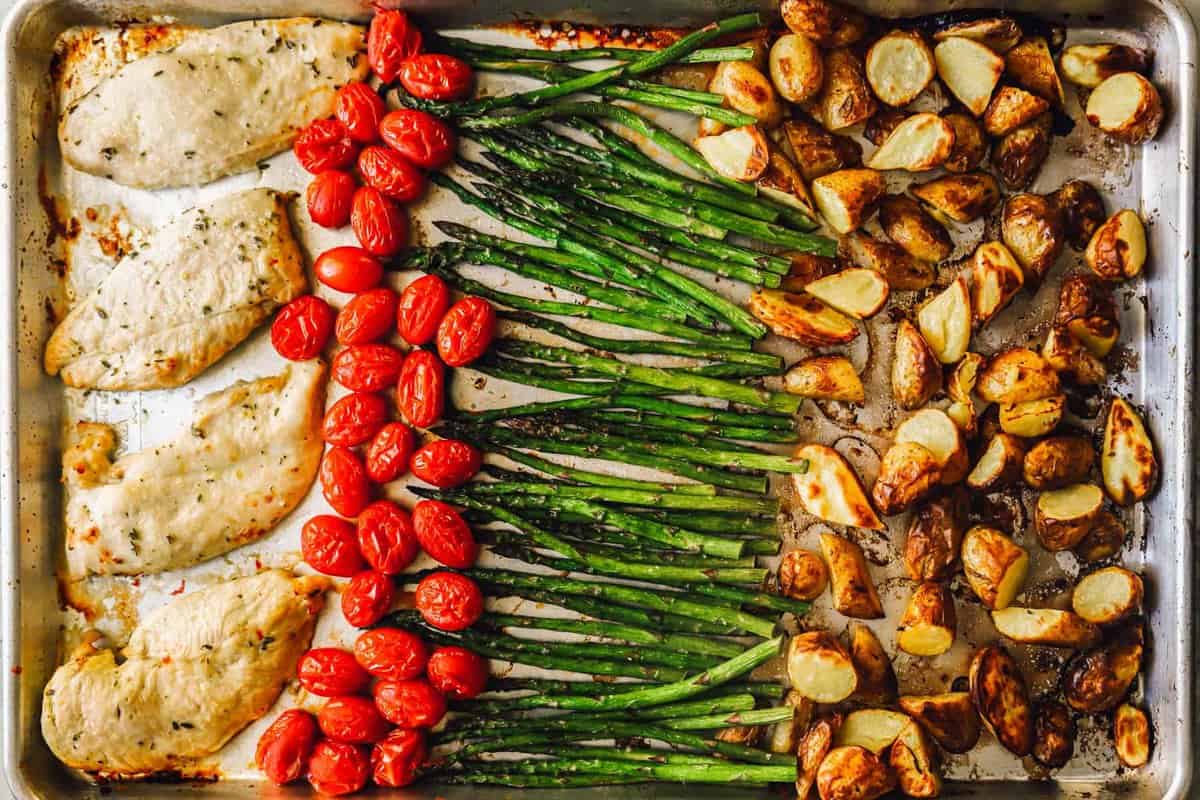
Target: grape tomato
(420, 137)
(324, 144)
(302, 327)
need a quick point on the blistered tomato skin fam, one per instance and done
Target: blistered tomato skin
(433, 76)
(283, 749)
(391, 173)
(391, 40)
(352, 719)
(379, 224)
(444, 534)
(466, 332)
(348, 269)
(396, 759)
(409, 704)
(449, 601)
(420, 137)
(457, 672)
(421, 392)
(446, 463)
(338, 768)
(360, 109)
(302, 327)
(386, 537)
(423, 303)
(369, 316)
(368, 367)
(354, 419)
(391, 653)
(329, 545)
(329, 197)
(331, 672)
(366, 598)
(389, 452)
(344, 481)
(324, 144)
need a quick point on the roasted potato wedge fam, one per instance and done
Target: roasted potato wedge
(1016, 375)
(1000, 464)
(830, 489)
(876, 678)
(1064, 516)
(1032, 418)
(901, 271)
(1031, 66)
(964, 417)
(806, 268)
(970, 144)
(999, 694)
(797, 67)
(916, 371)
(1032, 227)
(1097, 681)
(1104, 540)
(1069, 357)
(1083, 211)
(970, 70)
(1117, 250)
(935, 537)
(915, 762)
(818, 152)
(1053, 734)
(782, 182)
(827, 23)
(945, 322)
(949, 718)
(740, 154)
(814, 744)
(802, 575)
(873, 729)
(908, 225)
(785, 736)
(1087, 310)
(745, 735)
(1011, 108)
(961, 198)
(1000, 34)
(882, 123)
(819, 667)
(747, 90)
(1058, 461)
(856, 292)
(1107, 595)
(801, 317)
(1091, 64)
(853, 590)
(845, 98)
(929, 623)
(995, 566)
(921, 142)
(1127, 462)
(908, 473)
(1045, 626)
(854, 773)
(899, 67)
(1127, 107)
(825, 378)
(1131, 736)
(963, 378)
(847, 198)
(937, 433)
(1019, 155)
(996, 277)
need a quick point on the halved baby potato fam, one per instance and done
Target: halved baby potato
(1058, 461)
(813, 747)
(1107, 595)
(853, 590)
(819, 667)
(998, 33)
(846, 98)
(830, 490)
(1053, 734)
(783, 183)
(871, 728)
(995, 566)
(801, 317)
(1131, 736)
(1017, 375)
(1045, 626)
(786, 735)
(916, 371)
(961, 198)
(1020, 153)
(797, 67)
(912, 228)
(1069, 357)
(908, 473)
(1083, 210)
(1033, 229)
(1031, 65)
(899, 67)
(937, 433)
(876, 678)
(928, 624)
(747, 90)
(996, 277)
(818, 152)
(1104, 540)
(848, 197)
(1001, 698)
(964, 417)
(970, 70)
(1117, 250)
(1091, 64)
(1032, 418)
(919, 143)
(950, 718)
(934, 539)
(901, 271)
(1127, 107)
(740, 154)
(1062, 517)
(963, 378)
(827, 23)
(806, 268)
(1011, 108)
(915, 762)
(945, 322)
(1086, 308)
(1000, 465)
(802, 575)
(825, 378)
(1127, 462)
(854, 773)
(856, 292)
(970, 143)
(1097, 680)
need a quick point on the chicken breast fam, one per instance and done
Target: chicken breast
(165, 313)
(215, 105)
(248, 458)
(195, 672)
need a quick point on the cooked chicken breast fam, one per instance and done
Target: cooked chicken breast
(248, 458)
(164, 314)
(195, 672)
(218, 103)
(84, 55)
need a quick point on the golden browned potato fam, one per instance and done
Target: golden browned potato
(818, 152)
(1086, 309)
(945, 322)
(876, 678)
(687, 76)
(1000, 464)
(999, 694)
(970, 70)
(1070, 357)
(1058, 461)
(928, 624)
(873, 729)
(783, 183)
(845, 99)
(1097, 681)
(1104, 540)
(1032, 67)
(1117, 250)
(950, 718)
(856, 292)
(915, 761)
(1032, 418)
(935, 537)
(786, 736)
(740, 154)
(1127, 107)
(995, 566)
(962, 198)
(916, 372)
(854, 773)
(921, 142)
(1083, 211)
(1020, 154)
(882, 123)
(1107, 595)
(1016, 375)
(801, 317)
(964, 417)
(853, 590)
(847, 198)
(996, 277)
(825, 378)
(908, 225)
(1064, 516)
(907, 474)
(802, 575)
(1011, 108)
(899, 67)
(827, 23)
(998, 33)
(901, 271)
(745, 735)
(830, 489)
(963, 377)
(937, 433)
(815, 743)
(970, 145)
(1045, 626)
(747, 90)
(1127, 461)
(1131, 736)
(1091, 64)
(1033, 229)
(797, 67)
(1053, 734)
(806, 268)
(819, 667)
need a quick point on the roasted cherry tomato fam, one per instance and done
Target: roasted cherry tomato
(379, 224)
(391, 40)
(409, 704)
(446, 463)
(386, 537)
(360, 109)
(444, 534)
(421, 392)
(348, 269)
(344, 481)
(329, 545)
(324, 144)
(302, 327)
(354, 419)
(433, 76)
(389, 452)
(370, 315)
(421, 138)
(423, 303)
(391, 173)
(449, 601)
(457, 672)
(283, 749)
(366, 598)
(368, 367)
(466, 331)
(391, 653)
(338, 768)
(330, 672)
(329, 196)
(396, 759)
(352, 719)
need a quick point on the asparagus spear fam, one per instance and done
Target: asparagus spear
(695, 428)
(599, 479)
(614, 630)
(622, 496)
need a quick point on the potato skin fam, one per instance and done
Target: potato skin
(1053, 734)
(801, 317)
(825, 378)
(876, 678)
(846, 98)
(1057, 533)
(901, 270)
(1011, 452)
(816, 656)
(802, 575)
(1096, 600)
(1015, 376)
(1117, 250)
(747, 90)
(854, 773)
(811, 751)
(882, 123)
(970, 143)
(1091, 64)
(1142, 124)
(1127, 462)
(916, 372)
(818, 152)
(915, 761)
(950, 718)
(853, 589)
(931, 605)
(999, 693)
(1087, 310)
(797, 67)
(1058, 461)
(935, 536)
(856, 192)
(1104, 540)
(1097, 681)
(1033, 229)
(1019, 156)
(806, 268)
(1131, 736)
(988, 556)
(912, 228)
(1032, 67)
(907, 475)
(1083, 211)
(1011, 108)
(962, 198)
(827, 23)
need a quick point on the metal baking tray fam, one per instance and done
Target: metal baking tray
(1156, 322)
